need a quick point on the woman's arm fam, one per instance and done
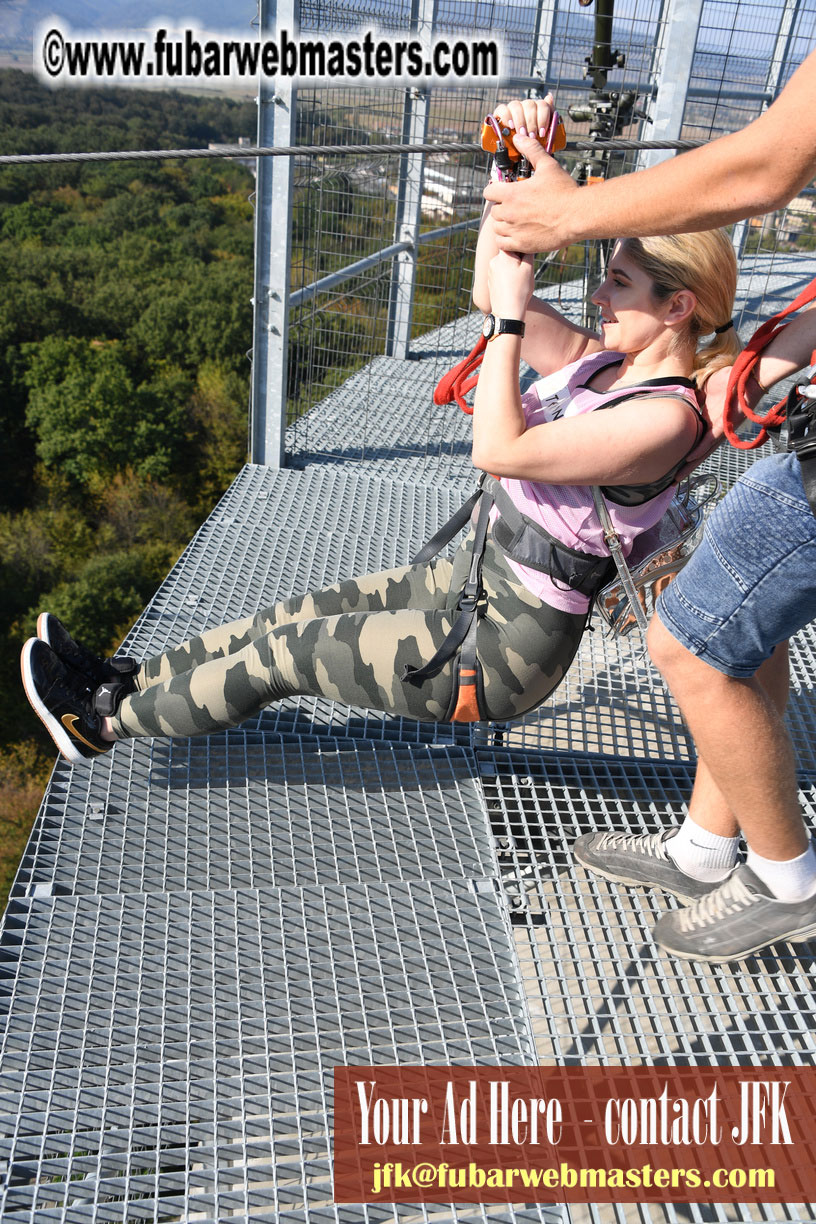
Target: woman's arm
(755, 170)
(550, 341)
(788, 352)
(634, 442)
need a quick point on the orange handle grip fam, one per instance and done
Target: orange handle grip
(490, 142)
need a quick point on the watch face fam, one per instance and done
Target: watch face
(488, 325)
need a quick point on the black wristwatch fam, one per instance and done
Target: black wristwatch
(501, 327)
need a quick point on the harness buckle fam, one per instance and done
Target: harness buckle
(804, 447)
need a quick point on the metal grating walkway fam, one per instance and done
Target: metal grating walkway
(201, 930)
(179, 1062)
(243, 810)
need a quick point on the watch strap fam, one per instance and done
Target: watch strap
(509, 327)
(494, 326)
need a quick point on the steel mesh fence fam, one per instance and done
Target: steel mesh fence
(347, 209)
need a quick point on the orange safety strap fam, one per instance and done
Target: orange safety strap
(467, 701)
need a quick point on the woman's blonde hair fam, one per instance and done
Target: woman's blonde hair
(704, 263)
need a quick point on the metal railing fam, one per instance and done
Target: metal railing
(352, 263)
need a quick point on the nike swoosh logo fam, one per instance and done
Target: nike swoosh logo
(69, 721)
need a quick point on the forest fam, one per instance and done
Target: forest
(124, 328)
(124, 378)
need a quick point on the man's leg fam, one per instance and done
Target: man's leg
(707, 808)
(750, 585)
(689, 860)
(749, 760)
(747, 776)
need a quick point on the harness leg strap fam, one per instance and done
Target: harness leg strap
(468, 605)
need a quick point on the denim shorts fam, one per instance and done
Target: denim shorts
(751, 583)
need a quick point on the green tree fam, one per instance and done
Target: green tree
(89, 418)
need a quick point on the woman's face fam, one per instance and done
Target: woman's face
(631, 316)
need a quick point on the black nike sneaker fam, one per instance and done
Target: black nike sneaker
(51, 630)
(60, 698)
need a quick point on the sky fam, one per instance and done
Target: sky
(19, 18)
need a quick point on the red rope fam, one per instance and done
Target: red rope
(455, 385)
(743, 368)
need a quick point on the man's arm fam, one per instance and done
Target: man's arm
(756, 170)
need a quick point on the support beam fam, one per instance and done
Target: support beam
(682, 20)
(273, 239)
(409, 200)
(541, 64)
(783, 47)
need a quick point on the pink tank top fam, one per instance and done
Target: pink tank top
(568, 511)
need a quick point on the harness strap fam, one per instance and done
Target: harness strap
(613, 543)
(448, 530)
(530, 544)
(468, 603)
(461, 379)
(467, 708)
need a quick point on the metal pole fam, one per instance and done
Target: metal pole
(773, 84)
(541, 63)
(409, 202)
(782, 50)
(273, 240)
(682, 19)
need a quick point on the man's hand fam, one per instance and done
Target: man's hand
(532, 215)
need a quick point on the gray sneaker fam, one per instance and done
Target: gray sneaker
(639, 858)
(739, 917)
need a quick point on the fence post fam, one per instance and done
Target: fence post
(409, 201)
(782, 50)
(773, 84)
(682, 20)
(541, 62)
(273, 241)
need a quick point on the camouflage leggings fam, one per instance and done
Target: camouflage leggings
(350, 643)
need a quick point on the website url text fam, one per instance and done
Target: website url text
(191, 55)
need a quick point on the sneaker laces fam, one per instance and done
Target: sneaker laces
(651, 845)
(728, 899)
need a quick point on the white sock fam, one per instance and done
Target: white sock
(702, 855)
(790, 880)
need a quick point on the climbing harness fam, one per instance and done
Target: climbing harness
(623, 589)
(623, 603)
(526, 542)
(657, 555)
